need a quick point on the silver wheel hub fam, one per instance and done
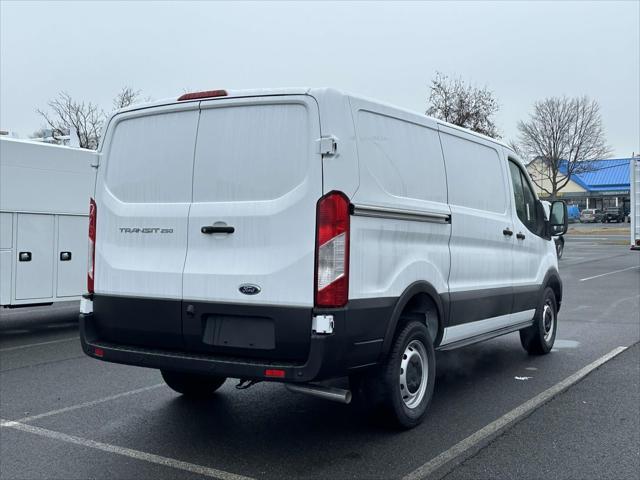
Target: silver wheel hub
(414, 374)
(548, 321)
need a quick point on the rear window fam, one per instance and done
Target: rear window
(251, 152)
(150, 158)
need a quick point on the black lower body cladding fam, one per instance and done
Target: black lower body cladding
(243, 341)
(234, 330)
(234, 340)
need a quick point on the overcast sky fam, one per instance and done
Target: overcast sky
(389, 51)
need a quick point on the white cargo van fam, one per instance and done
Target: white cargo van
(44, 190)
(299, 235)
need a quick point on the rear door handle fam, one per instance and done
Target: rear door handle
(208, 229)
(507, 232)
(520, 236)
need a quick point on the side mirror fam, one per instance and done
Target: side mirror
(559, 218)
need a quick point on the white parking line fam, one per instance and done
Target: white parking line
(8, 349)
(473, 442)
(89, 404)
(588, 237)
(125, 452)
(608, 273)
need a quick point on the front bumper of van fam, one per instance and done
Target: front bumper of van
(328, 356)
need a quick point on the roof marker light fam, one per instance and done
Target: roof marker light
(205, 94)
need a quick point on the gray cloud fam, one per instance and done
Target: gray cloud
(523, 51)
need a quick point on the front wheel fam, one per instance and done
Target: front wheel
(401, 389)
(538, 339)
(192, 385)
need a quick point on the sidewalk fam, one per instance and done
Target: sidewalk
(591, 431)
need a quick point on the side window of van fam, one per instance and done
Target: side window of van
(525, 200)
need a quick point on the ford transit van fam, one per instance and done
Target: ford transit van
(301, 235)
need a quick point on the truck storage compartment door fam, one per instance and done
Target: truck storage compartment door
(34, 257)
(71, 255)
(257, 178)
(143, 194)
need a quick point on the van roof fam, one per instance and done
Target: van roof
(316, 93)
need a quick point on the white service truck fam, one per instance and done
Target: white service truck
(635, 202)
(44, 208)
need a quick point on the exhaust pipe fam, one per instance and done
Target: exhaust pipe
(328, 393)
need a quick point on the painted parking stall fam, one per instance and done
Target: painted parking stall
(127, 410)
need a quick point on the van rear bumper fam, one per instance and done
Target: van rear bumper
(218, 365)
(355, 343)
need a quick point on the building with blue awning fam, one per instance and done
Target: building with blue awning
(606, 184)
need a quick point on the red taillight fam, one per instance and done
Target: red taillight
(274, 373)
(332, 250)
(98, 352)
(91, 259)
(206, 94)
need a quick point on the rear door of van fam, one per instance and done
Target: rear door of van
(249, 269)
(143, 195)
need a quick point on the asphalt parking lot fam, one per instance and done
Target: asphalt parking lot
(75, 417)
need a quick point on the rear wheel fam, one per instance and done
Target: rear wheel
(401, 389)
(538, 339)
(192, 385)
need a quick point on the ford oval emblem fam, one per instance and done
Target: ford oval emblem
(249, 289)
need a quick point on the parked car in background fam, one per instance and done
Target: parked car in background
(591, 215)
(574, 213)
(613, 214)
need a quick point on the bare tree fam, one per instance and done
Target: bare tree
(453, 101)
(562, 138)
(127, 96)
(85, 119)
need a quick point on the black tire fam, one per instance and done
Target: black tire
(380, 392)
(538, 339)
(192, 385)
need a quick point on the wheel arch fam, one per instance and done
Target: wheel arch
(415, 296)
(552, 280)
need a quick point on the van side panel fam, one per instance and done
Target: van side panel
(402, 169)
(481, 248)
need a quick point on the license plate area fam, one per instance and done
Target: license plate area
(266, 332)
(239, 332)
